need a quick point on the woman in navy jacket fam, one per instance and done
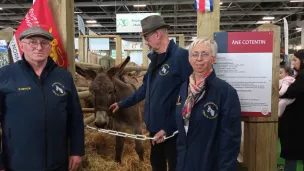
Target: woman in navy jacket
(208, 115)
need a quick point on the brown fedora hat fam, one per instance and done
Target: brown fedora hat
(152, 23)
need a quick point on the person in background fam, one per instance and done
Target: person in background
(282, 60)
(208, 115)
(42, 120)
(169, 67)
(284, 82)
(291, 122)
(76, 55)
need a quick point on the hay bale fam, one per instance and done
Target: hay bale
(100, 154)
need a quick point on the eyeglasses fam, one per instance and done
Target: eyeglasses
(34, 44)
(202, 54)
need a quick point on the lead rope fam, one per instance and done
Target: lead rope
(124, 134)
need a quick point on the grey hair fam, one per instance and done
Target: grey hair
(164, 30)
(207, 41)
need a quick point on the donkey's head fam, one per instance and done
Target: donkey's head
(106, 87)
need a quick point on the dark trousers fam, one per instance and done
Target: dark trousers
(163, 153)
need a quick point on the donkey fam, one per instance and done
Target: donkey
(109, 87)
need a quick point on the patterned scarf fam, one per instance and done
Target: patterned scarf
(194, 92)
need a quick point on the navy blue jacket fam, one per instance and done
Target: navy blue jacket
(214, 134)
(39, 116)
(160, 88)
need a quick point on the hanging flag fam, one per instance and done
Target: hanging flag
(203, 5)
(40, 15)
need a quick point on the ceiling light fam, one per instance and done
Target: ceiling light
(262, 22)
(297, 1)
(298, 28)
(77, 12)
(1, 8)
(94, 25)
(221, 3)
(268, 18)
(139, 5)
(91, 21)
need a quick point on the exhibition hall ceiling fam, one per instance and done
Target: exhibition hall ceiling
(236, 15)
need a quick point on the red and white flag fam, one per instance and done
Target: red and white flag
(40, 15)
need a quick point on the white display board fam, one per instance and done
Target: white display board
(130, 22)
(129, 45)
(99, 43)
(245, 62)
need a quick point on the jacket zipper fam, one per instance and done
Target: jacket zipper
(45, 122)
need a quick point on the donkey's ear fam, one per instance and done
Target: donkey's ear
(124, 64)
(80, 71)
(91, 74)
(113, 71)
(118, 69)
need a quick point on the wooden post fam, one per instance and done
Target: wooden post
(182, 41)
(86, 51)
(145, 49)
(302, 35)
(63, 14)
(81, 45)
(118, 50)
(7, 34)
(90, 57)
(208, 23)
(261, 133)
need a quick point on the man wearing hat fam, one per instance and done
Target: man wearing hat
(41, 117)
(169, 67)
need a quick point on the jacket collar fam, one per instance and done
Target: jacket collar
(49, 65)
(210, 78)
(168, 51)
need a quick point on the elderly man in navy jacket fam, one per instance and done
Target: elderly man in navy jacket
(42, 121)
(169, 67)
